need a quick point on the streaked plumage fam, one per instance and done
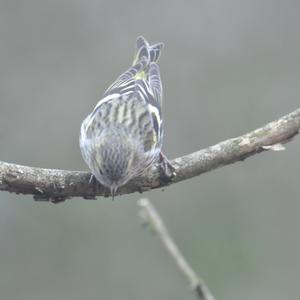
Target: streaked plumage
(123, 134)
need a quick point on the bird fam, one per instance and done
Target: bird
(122, 136)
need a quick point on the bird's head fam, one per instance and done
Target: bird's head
(118, 157)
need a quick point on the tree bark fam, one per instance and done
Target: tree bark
(58, 185)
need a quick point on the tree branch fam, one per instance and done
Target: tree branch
(58, 185)
(150, 215)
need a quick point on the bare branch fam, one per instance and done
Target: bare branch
(151, 216)
(58, 185)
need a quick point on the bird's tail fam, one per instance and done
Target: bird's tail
(146, 51)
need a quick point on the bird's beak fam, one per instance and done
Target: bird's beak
(113, 191)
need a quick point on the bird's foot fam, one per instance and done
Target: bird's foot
(93, 183)
(168, 171)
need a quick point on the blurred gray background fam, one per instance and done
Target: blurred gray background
(228, 67)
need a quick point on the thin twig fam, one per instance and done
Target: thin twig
(58, 185)
(151, 216)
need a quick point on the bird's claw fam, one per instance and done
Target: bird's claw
(166, 166)
(93, 183)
